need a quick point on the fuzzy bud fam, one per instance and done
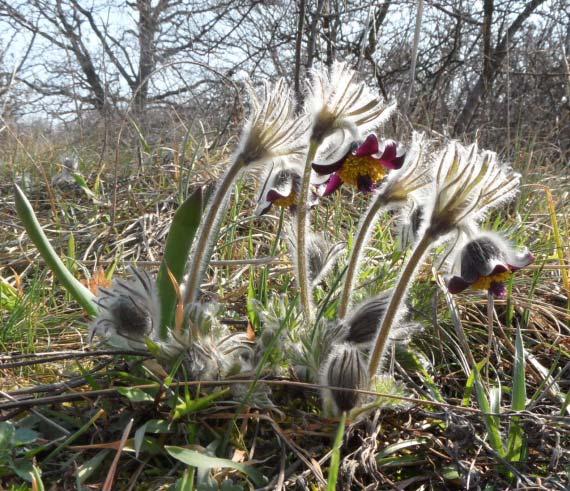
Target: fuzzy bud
(344, 368)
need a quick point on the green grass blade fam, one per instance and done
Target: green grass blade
(491, 422)
(35, 232)
(178, 243)
(335, 458)
(516, 442)
(203, 461)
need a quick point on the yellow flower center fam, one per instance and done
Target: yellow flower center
(355, 167)
(286, 201)
(485, 282)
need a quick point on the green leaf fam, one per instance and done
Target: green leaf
(194, 405)
(203, 461)
(186, 482)
(82, 183)
(491, 421)
(466, 401)
(34, 230)
(135, 395)
(7, 432)
(152, 426)
(516, 442)
(24, 469)
(178, 243)
(335, 458)
(24, 436)
(87, 469)
(8, 296)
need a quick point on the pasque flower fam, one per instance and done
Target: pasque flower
(129, 311)
(272, 131)
(466, 185)
(281, 189)
(337, 107)
(485, 263)
(362, 166)
(344, 368)
(412, 173)
(271, 134)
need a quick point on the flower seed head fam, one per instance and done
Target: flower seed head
(336, 102)
(466, 185)
(345, 367)
(272, 131)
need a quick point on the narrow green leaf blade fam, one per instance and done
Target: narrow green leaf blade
(516, 442)
(203, 461)
(178, 243)
(35, 232)
(491, 421)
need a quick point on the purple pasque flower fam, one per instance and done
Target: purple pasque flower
(363, 166)
(486, 263)
(281, 189)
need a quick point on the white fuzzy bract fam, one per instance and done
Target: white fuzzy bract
(272, 132)
(467, 183)
(337, 102)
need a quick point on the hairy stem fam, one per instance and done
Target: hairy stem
(302, 227)
(360, 240)
(208, 232)
(398, 296)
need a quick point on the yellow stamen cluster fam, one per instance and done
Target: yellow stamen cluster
(485, 282)
(355, 167)
(286, 201)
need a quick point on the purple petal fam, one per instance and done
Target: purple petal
(520, 261)
(334, 183)
(390, 151)
(498, 290)
(365, 184)
(330, 168)
(369, 147)
(457, 284)
(273, 196)
(397, 162)
(498, 269)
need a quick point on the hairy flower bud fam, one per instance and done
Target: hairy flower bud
(129, 311)
(344, 368)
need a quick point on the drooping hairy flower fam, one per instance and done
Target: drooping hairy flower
(486, 263)
(129, 311)
(336, 102)
(413, 174)
(362, 166)
(345, 368)
(272, 132)
(467, 184)
(361, 324)
(281, 189)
